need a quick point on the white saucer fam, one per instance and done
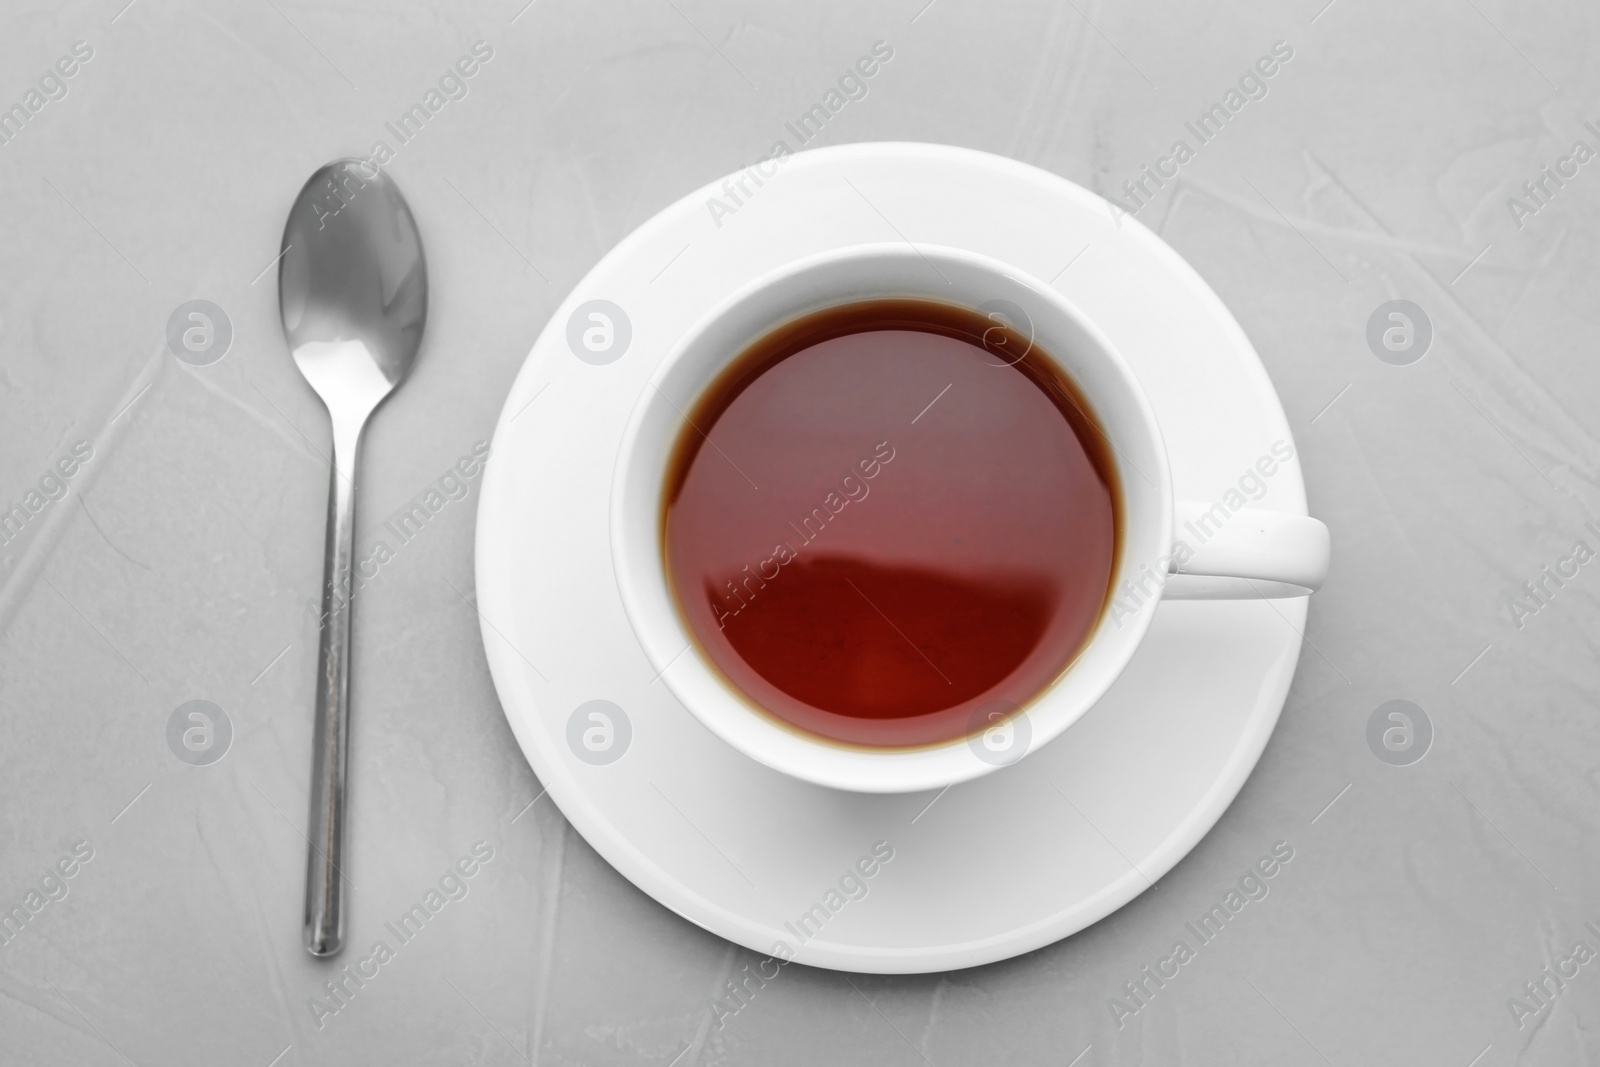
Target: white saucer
(994, 867)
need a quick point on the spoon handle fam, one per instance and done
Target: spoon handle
(324, 919)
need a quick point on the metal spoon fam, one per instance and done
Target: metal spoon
(353, 295)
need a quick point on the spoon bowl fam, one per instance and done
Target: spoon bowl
(354, 299)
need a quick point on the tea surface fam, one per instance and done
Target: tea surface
(884, 519)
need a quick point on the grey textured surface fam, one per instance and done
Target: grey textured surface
(179, 561)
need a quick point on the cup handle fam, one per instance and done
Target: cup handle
(1244, 554)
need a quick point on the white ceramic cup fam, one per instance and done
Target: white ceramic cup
(1246, 552)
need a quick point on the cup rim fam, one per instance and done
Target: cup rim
(675, 655)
